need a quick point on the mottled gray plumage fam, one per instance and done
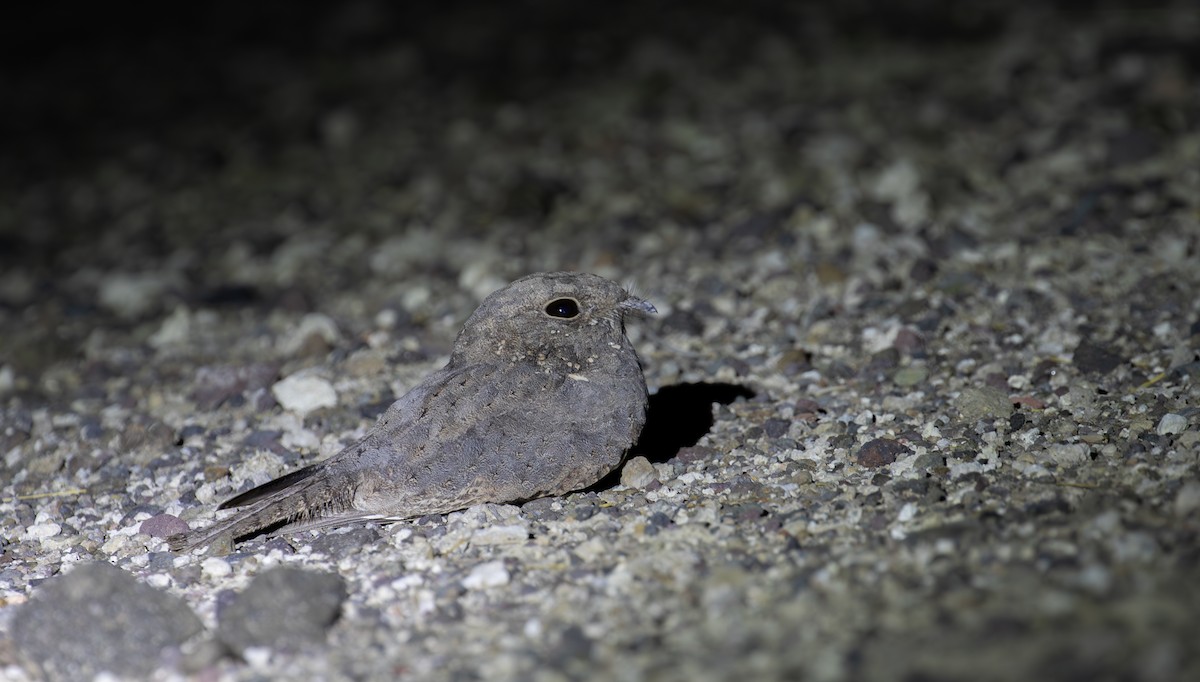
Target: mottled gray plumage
(543, 395)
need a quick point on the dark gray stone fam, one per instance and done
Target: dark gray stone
(99, 618)
(880, 452)
(283, 608)
(345, 540)
(775, 428)
(1096, 359)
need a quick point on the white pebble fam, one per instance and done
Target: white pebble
(1096, 578)
(131, 295)
(1172, 423)
(313, 325)
(300, 439)
(8, 380)
(174, 330)
(386, 318)
(1187, 500)
(1068, 454)
(591, 550)
(216, 567)
(257, 656)
(500, 535)
(638, 473)
(41, 531)
(303, 394)
(489, 574)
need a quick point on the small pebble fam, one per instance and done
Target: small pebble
(910, 376)
(1171, 424)
(488, 574)
(1093, 358)
(366, 362)
(175, 329)
(1068, 454)
(41, 531)
(908, 341)
(131, 295)
(880, 452)
(695, 453)
(983, 402)
(215, 568)
(216, 384)
(776, 428)
(638, 472)
(304, 393)
(315, 335)
(500, 535)
(163, 525)
(1187, 500)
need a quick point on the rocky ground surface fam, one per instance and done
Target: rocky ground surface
(925, 369)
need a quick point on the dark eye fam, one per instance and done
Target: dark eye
(562, 307)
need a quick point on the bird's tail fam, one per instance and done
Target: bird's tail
(296, 498)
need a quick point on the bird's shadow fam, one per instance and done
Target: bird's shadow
(677, 417)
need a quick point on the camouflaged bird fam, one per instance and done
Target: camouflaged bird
(543, 394)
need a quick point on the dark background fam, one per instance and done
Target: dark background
(170, 90)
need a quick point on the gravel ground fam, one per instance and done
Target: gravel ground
(925, 369)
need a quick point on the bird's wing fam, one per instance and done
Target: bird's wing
(436, 453)
(486, 434)
(433, 429)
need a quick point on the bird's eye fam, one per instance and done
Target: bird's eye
(563, 307)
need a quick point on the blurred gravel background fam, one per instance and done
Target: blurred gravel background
(925, 369)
